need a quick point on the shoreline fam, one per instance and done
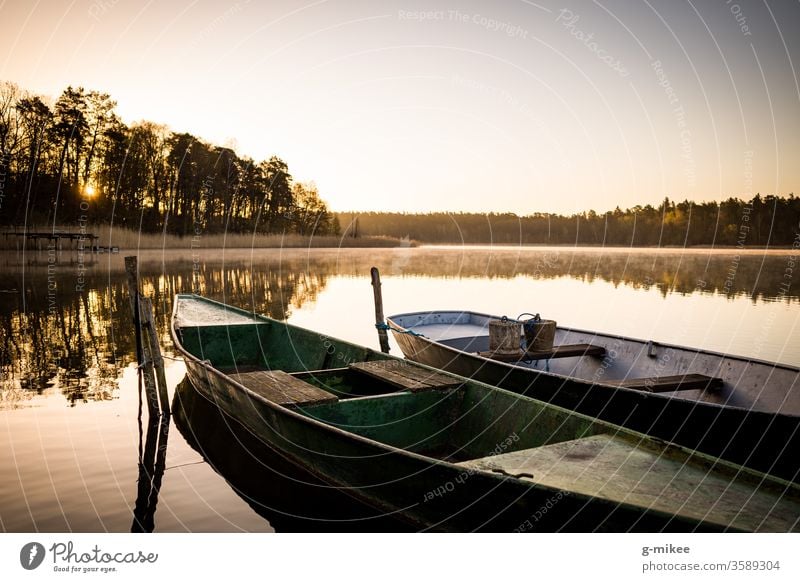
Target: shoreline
(127, 240)
(171, 249)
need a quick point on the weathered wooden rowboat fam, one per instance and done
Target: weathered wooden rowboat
(444, 452)
(743, 410)
(289, 498)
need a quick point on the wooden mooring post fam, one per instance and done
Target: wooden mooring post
(380, 324)
(148, 350)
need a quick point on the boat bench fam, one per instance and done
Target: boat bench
(670, 383)
(283, 389)
(405, 375)
(562, 351)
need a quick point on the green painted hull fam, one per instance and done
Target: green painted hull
(289, 498)
(439, 459)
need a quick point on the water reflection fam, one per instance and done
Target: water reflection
(152, 462)
(290, 499)
(59, 342)
(68, 325)
(757, 274)
(70, 329)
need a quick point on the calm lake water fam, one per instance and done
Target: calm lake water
(70, 437)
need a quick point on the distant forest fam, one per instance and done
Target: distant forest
(75, 162)
(761, 221)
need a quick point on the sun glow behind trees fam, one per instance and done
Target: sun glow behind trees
(58, 159)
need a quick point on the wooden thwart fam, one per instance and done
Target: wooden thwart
(671, 383)
(405, 375)
(563, 351)
(281, 388)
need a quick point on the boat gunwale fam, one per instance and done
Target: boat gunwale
(205, 364)
(395, 327)
(390, 320)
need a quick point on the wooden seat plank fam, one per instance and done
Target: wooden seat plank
(567, 351)
(406, 375)
(386, 374)
(281, 388)
(427, 377)
(671, 383)
(562, 351)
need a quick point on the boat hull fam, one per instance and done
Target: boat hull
(429, 495)
(290, 499)
(760, 440)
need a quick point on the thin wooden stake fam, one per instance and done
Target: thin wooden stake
(149, 375)
(380, 324)
(143, 356)
(146, 306)
(132, 268)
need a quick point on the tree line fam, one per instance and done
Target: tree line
(760, 221)
(75, 160)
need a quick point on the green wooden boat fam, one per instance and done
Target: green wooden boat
(289, 498)
(447, 453)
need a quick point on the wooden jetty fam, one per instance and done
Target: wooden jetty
(77, 241)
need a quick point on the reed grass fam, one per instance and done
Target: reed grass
(127, 239)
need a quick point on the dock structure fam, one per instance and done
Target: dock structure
(55, 239)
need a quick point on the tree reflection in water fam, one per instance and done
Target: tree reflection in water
(67, 331)
(64, 336)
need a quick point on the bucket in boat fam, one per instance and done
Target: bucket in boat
(504, 337)
(539, 334)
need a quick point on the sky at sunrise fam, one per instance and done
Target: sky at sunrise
(463, 106)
